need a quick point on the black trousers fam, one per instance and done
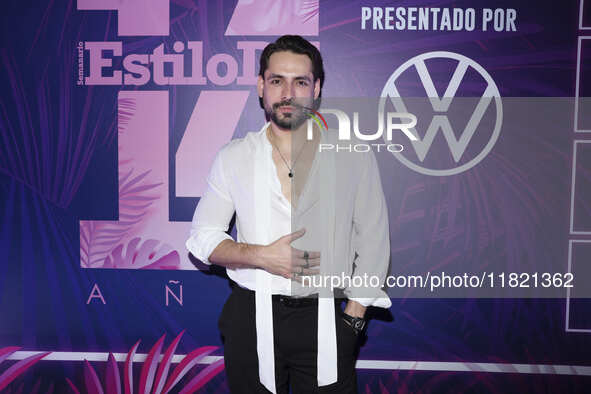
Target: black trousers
(295, 330)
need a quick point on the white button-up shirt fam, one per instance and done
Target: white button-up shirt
(343, 209)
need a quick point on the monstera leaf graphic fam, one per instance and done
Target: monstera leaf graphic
(98, 239)
(19, 368)
(150, 254)
(137, 193)
(154, 377)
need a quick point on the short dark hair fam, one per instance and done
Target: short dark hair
(300, 46)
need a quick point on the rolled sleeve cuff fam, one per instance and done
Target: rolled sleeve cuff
(203, 246)
(377, 297)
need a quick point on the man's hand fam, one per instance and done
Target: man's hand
(280, 258)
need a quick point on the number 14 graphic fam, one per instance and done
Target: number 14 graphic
(144, 237)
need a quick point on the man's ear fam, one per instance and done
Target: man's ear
(316, 88)
(260, 85)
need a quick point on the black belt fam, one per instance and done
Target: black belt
(296, 302)
(291, 302)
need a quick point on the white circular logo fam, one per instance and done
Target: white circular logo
(457, 146)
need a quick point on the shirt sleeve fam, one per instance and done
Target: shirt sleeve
(371, 239)
(212, 215)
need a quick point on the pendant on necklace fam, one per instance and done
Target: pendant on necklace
(290, 174)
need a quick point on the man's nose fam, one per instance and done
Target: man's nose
(288, 92)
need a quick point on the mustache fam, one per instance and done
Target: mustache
(291, 104)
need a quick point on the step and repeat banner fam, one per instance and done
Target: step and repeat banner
(111, 114)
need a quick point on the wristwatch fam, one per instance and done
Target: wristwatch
(356, 323)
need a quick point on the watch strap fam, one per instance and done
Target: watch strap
(357, 323)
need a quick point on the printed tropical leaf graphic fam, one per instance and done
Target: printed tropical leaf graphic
(36, 389)
(98, 239)
(18, 368)
(150, 254)
(154, 377)
(311, 8)
(136, 194)
(44, 146)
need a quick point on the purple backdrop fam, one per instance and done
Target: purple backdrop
(111, 113)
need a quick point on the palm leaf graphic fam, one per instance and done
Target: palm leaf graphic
(97, 239)
(153, 375)
(136, 195)
(18, 368)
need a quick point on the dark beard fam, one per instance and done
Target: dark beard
(289, 121)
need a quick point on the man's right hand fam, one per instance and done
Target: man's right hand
(280, 258)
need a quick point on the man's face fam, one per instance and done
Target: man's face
(288, 85)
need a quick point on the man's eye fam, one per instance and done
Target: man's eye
(303, 83)
(274, 81)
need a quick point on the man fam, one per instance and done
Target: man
(277, 331)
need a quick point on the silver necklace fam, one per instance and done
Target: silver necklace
(285, 161)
